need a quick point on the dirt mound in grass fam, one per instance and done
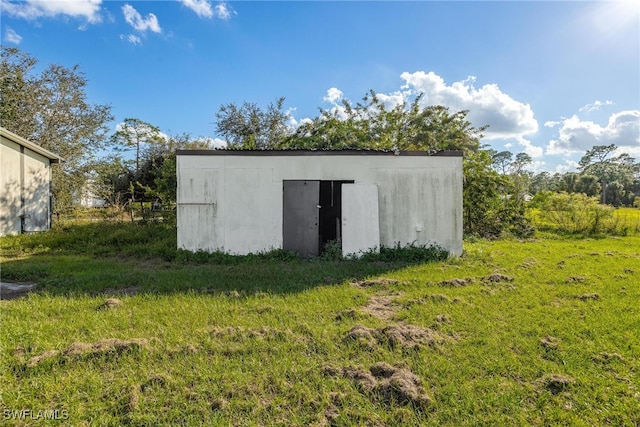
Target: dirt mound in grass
(111, 345)
(497, 278)
(381, 306)
(556, 383)
(110, 303)
(385, 382)
(456, 282)
(605, 357)
(549, 342)
(397, 336)
(36, 360)
(381, 281)
(587, 297)
(362, 335)
(409, 336)
(240, 333)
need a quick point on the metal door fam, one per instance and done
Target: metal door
(300, 217)
(360, 219)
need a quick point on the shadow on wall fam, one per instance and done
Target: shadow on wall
(25, 207)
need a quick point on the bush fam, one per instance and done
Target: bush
(576, 213)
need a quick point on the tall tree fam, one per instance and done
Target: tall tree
(51, 109)
(501, 161)
(251, 127)
(136, 134)
(618, 172)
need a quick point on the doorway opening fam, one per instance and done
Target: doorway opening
(312, 215)
(330, 227)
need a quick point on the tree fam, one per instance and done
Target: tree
(543, 181)
(519, 165)
(138, 134)
(152, 176)
(614, 173)
(251, 127)
(372, 125)
(587, 184)
(501, 161)
(50, 108)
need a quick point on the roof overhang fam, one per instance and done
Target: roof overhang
(54, 158)
(228, 152)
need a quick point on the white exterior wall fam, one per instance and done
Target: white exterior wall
(10, 205)
(25, 185)
(233, 203)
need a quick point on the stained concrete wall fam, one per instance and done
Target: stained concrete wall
(233, 202)
(25, 183)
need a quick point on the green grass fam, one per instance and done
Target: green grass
(258, 340)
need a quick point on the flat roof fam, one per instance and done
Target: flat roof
(30, 145)
(294, 152)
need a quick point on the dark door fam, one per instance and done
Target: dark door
(300, 217)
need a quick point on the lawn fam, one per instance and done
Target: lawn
(124, 330)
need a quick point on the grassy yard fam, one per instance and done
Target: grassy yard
(124, 330)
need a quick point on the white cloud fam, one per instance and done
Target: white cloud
(131, 38)
(487, 105)
(223, 11)
(392, 100)
(576, 135)
(202, 8)
(133, 18)
(294, 123)
(333, 95)
(12, 37)
(567, 166)
(34, 9)
(551, 124)
(596, 105)
(529, 148)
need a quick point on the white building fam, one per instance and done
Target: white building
(25, 185)
(241, 202)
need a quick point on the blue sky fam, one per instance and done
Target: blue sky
(551, 79)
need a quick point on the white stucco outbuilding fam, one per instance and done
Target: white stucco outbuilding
(243, 201)
(25, 185)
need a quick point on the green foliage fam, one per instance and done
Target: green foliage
(575, 213)
(615, 174)
(407, 254)
(136, 134)
(251, 127)
(151, 180)
(615, 179)
(372, 125)
(491, 207)
(50, 108)
(222, 258)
